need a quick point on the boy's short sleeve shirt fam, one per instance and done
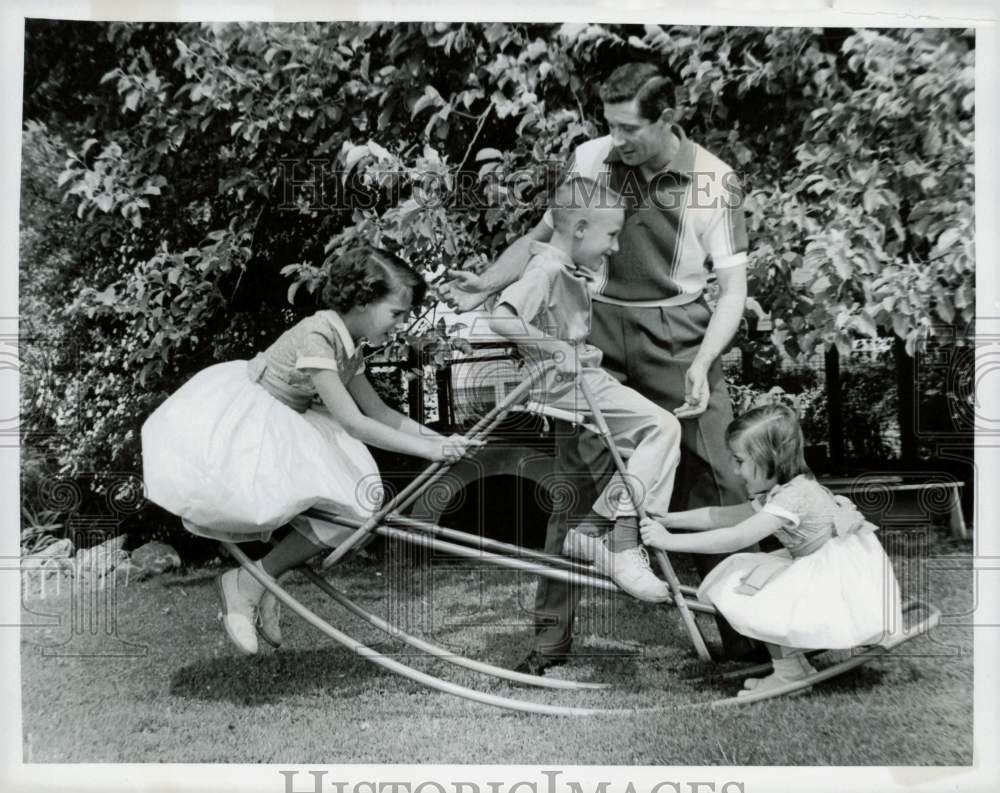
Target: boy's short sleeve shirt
(675, 221)
(551, 295)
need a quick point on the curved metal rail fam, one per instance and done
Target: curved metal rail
(439, 652)
(399, 668)
(508, 703)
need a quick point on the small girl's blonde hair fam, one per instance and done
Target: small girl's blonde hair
(771, 437)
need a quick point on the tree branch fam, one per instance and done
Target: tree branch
(479, 128)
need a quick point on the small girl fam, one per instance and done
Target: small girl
(830, 587)
(245, 447)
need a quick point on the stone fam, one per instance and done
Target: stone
(103, 557)
(61, 549)
(129, 572)
(156, 557)
(103, 563)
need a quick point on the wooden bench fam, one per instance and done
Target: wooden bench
(903, 497)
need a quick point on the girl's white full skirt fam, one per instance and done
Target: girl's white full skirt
(843, 595)
(236, 463)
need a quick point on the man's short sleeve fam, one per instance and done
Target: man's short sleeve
(319, 350)
(725, 238)
(529, 295)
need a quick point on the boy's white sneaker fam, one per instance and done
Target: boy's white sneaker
(578, 545)
(269, 619)
(630, 570)
(237, 615)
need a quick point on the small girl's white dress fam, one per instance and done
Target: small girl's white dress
(831, 586)
(245, 447)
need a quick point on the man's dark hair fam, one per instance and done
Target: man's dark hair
(642, 82)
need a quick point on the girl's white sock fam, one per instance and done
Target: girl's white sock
(794, 667)
(249, 586)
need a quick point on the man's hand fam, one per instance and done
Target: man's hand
(696, 392)
(465, 291)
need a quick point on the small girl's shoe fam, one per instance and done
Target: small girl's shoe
(786, 670)
(238, 609)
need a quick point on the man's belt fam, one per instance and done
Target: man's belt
(665, 302)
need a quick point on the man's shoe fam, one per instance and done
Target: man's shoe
(536, 663)
(578, 545)
(630, 570)
(238, 612)
(269, 619)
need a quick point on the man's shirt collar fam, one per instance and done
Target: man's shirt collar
(682, 163)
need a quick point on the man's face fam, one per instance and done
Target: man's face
(638, 140)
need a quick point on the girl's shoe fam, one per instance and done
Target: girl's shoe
(786, 670)
(269, 619)
(238, 612)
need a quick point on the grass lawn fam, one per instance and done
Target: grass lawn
(157, 681)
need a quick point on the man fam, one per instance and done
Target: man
(650, 318)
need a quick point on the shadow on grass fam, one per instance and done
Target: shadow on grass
(269, 678)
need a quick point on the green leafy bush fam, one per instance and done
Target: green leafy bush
(212, 170)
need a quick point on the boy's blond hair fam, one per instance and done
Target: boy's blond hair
(579, 196)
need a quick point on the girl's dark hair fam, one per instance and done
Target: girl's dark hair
(771, 437)
(642, 82)
(366, 274)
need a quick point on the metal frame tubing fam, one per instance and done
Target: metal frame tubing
(427, 477)
(485, 543)
(565, 576)
(675, 585)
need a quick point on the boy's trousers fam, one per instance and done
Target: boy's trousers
(648, 349)
(647, 436)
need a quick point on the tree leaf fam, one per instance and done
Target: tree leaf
(378, 151)
(864, 325)
(430, 98)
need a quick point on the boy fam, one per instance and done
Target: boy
(547, 312)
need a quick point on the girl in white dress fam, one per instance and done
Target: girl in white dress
(244, 447)
(830, 587)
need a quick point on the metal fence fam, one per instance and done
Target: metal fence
(454, 396)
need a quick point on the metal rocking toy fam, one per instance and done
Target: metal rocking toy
(391, 523)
